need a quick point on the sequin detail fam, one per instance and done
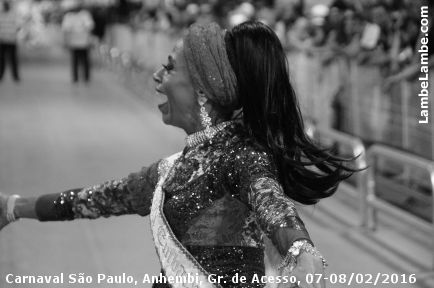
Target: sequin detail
(226, 261)
(227, 193)
(130, 195)
(203, 135)
(273, 208)
(220, 193)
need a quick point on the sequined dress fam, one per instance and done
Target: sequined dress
(222, 197)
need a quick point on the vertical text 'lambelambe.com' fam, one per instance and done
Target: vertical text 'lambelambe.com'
(424, 67)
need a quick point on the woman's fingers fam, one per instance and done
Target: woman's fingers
(3, 202)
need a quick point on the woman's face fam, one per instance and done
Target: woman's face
(179, 107)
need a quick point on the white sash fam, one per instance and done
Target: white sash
(177, 262)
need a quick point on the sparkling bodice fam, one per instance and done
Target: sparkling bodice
(223, 192)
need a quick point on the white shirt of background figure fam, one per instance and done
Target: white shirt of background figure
(77, 27)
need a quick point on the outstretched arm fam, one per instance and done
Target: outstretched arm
(277, 216)
(130, 195)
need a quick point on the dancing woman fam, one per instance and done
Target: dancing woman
(214, 205)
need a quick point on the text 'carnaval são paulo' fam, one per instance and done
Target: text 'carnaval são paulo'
(124, 278)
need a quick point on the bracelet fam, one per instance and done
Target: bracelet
(10, 207)
(290, 260)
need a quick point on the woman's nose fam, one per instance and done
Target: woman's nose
(157, 76)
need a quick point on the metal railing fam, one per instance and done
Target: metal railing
(353, 98)
(365, 182)
(374, 204)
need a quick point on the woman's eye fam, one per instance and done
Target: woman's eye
(168, 67)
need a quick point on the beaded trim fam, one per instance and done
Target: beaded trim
(206, 134)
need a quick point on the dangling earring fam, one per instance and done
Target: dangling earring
(204, 116)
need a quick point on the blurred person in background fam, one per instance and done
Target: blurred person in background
(77, 26)
(265, 13)
(375, 40)
(408, 56)
(99, 15)
(238, 176)
(8, 40)
(290, 23)
(243, 12)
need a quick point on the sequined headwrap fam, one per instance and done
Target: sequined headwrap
(208, 64)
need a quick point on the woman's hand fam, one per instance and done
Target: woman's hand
(3, 204)
(307, 265)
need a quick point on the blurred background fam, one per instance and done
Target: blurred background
(77, 107)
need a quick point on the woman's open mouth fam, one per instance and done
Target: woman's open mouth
(164, 106)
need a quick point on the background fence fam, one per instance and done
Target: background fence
(350, 97)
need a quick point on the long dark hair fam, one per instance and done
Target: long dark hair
(272, 116)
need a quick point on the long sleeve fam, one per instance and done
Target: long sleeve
(276, 213)
(260, 189)
(130, 195)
